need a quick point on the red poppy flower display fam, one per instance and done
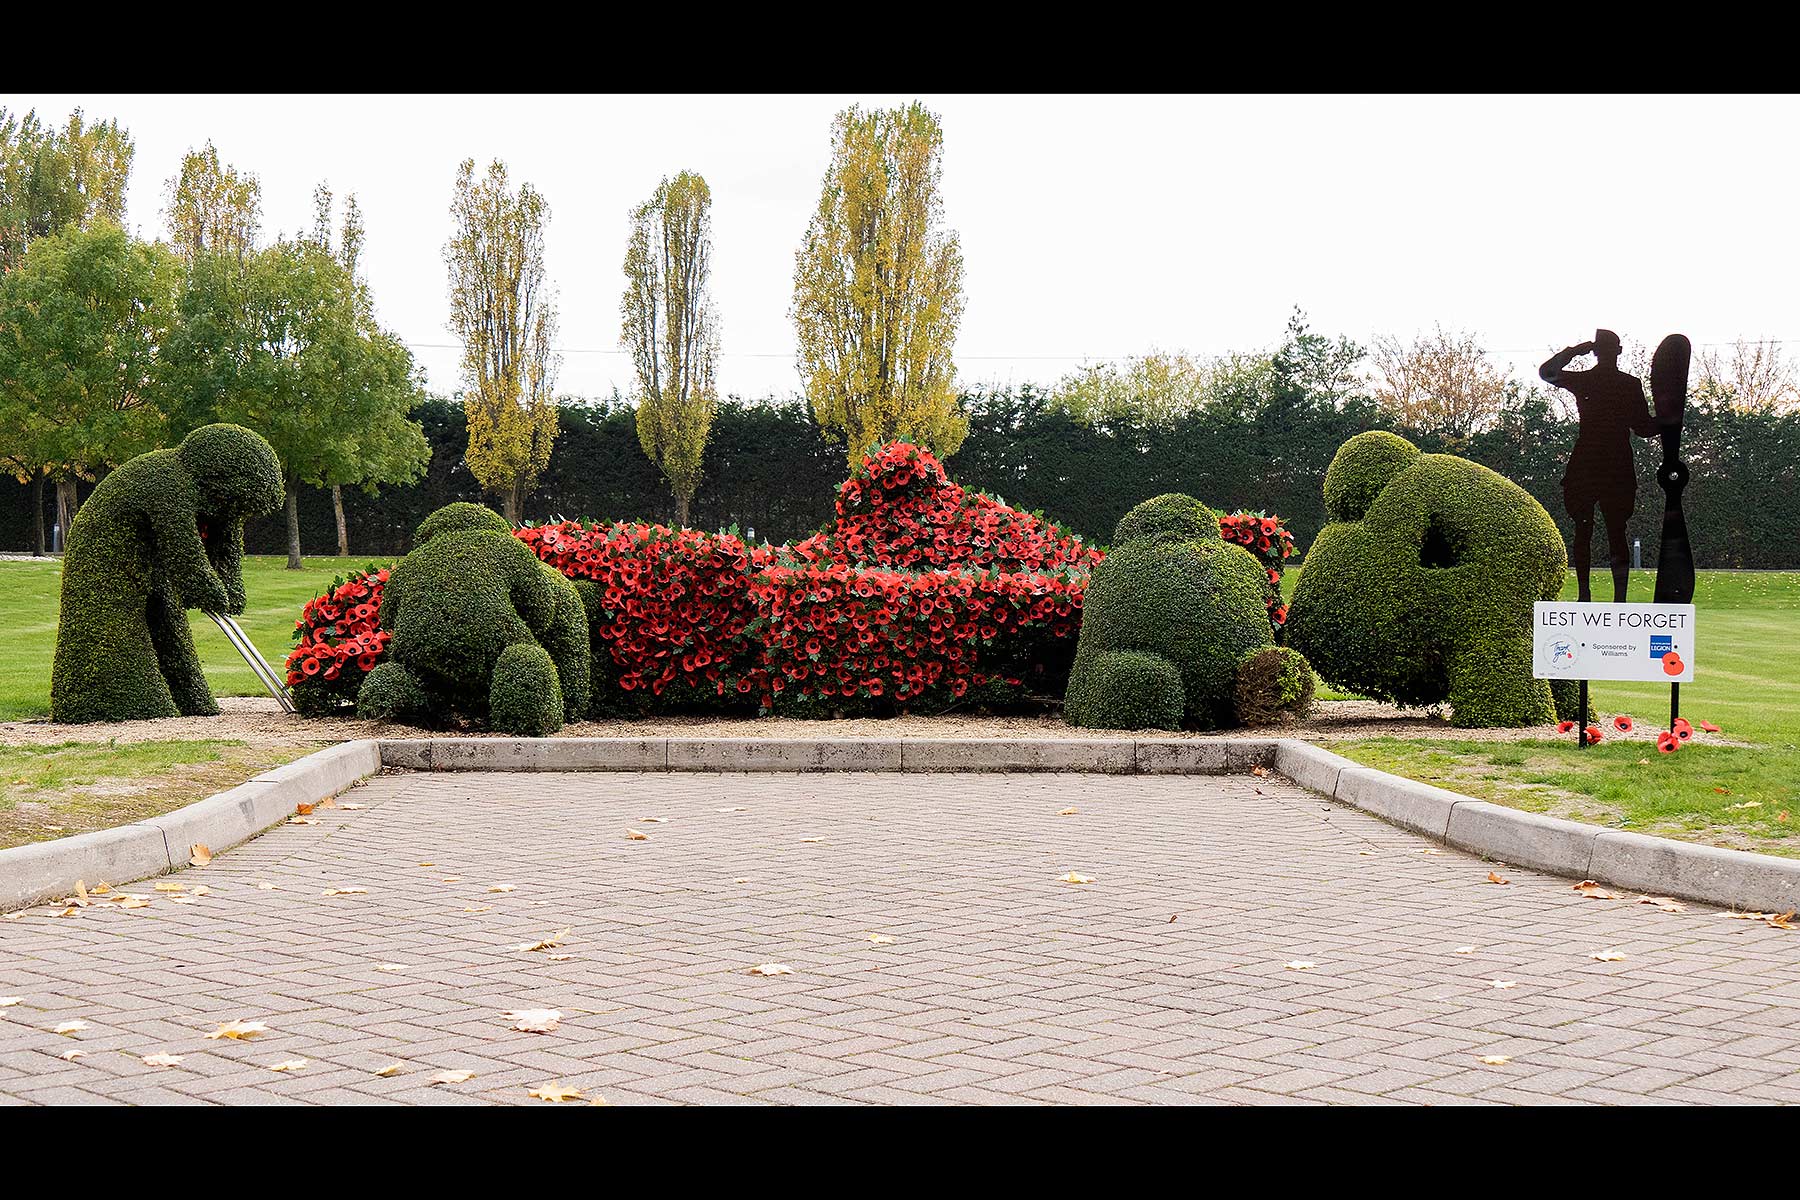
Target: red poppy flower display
(337, 641)
(1622, 723)
(1709, 727)
(1266, 537)
(1682, 729)
(1667, 743)
(1564, 726)
(920, 591)
(1594, 734)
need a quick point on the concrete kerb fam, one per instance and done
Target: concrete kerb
(48, 870)
(1731, 878)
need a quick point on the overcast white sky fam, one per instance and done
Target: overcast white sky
(1091, 227)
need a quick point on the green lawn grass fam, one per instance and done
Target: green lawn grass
(28, 604)
(1746, 680)
(75, 787)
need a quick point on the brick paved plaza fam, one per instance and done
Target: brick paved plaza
(1164, 980)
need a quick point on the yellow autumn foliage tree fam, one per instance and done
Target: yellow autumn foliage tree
(502, 310)
(878, 288)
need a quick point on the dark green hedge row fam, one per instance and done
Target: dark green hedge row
(768, 467)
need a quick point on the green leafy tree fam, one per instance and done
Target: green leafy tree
(279, 343)
(50, 180)
(83, 319)
(502, 311)
(393, 450)
(213, 208)
(671, 330)
(878, 288)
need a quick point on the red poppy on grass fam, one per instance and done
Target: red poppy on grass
(1622, 723)
(1682, 729)
(1594, 734)
(1709, 727)
(1564, 726)
(1667, 743)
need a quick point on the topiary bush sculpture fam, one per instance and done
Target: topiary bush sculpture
(480, 628)
(1419, 589)
(160, 535)
(1166, 620)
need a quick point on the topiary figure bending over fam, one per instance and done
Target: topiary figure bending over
(481, 628)
(1167, 620)
(1419, 589)
(160, 535)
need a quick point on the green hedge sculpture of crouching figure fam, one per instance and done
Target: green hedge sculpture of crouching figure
(1168, 621)
(1419, 589)
(482, 629)
(160, 535)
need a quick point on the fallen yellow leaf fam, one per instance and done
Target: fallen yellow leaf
(1495, 877)
(1594, 891)
(72, 1055)
(1065, 812)
(161, 1060)
(633, 835)
(68, 1027)
(199, 854)
(554, 940)
(1607, 956)
(345, 891)
(1504, 984)
(771, 968)
(238, 1030)
(1300, 964)
(502, 887)
(453, 1077)
(1072, 877)
(9, 1001)
(534, 1020)
(555, 1093)
(881, 939)
(390, 1069)
(291, 1064)
(1496, 1060)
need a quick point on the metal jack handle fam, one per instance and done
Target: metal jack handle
(240, 640)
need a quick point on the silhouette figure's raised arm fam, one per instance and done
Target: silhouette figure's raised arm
(1553, 369)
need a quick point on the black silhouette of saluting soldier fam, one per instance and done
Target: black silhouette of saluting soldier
(1602, 472)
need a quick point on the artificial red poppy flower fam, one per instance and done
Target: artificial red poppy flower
(1682, 729)
(1667, 743)
(1622, 723)
(1594, 735)
(1564, 726)
(1709, 727)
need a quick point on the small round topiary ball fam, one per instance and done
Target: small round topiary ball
(1274, 686)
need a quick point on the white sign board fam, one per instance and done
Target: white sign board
(1648, 643)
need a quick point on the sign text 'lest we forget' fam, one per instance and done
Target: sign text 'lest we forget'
(1648, 643)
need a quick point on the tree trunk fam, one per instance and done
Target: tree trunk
(37, 513)
(337, 506)
(510, 505)
(683, 505)
(65, 507)
(293, 524)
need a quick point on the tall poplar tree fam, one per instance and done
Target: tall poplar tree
(502, 310)
(878, 288)
(671, 330)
